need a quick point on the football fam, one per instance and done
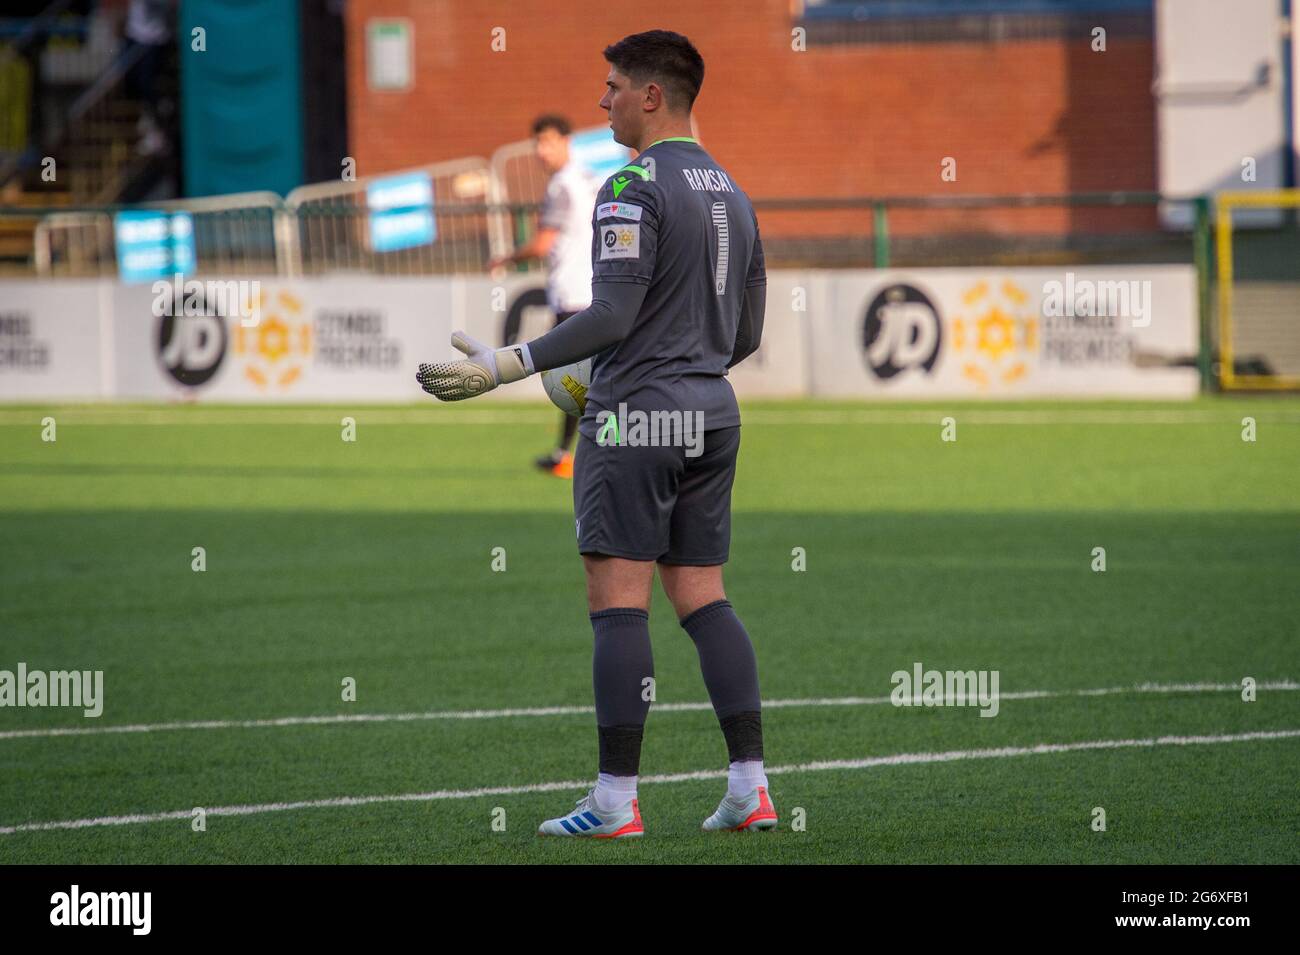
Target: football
(567, 386)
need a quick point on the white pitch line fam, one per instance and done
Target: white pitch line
(538, 711)
(897, 759)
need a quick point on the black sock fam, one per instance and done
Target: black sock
(567, 430)
(730, 672)
(621, 661)
(744, 735)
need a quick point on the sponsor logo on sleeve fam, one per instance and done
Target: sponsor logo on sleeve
(618, 210)
(620, 242)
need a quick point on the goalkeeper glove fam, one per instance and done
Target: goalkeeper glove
(484, 369)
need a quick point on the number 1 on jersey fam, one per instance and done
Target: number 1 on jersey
(720, 268)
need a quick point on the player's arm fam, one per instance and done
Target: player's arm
(624, 248)
(538, 247)
(749, 330)
(550, 219)
(607, 321)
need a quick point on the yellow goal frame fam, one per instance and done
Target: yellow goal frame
(1224, 203)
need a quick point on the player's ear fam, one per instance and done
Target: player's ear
(653, 97)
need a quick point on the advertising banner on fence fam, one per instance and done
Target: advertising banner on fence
(52, 342)
(274, 339)
(1006, 333)
(1105, 332)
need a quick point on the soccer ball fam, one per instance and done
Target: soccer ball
(567, 386)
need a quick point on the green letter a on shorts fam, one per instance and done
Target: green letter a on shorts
(611, 424)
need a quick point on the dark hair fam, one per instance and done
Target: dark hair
(551, 121)
(668, 58)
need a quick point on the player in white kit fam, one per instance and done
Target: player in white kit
(563, 238)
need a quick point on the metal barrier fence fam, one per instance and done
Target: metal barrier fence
(74, 244)
(326, 228)
(329, 224)
(236, 234)
(521, 182)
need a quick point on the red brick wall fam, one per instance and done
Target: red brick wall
(1047, 116)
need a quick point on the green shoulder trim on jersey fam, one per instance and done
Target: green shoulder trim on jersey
(621, 182)
(675, 139)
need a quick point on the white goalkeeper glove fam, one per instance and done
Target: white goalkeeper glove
(484, 369)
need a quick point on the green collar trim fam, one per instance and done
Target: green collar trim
(675, 139)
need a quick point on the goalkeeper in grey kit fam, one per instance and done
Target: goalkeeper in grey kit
(678, 295)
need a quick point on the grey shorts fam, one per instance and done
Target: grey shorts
(655, 503)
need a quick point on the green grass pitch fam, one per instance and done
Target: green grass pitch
(372, 560)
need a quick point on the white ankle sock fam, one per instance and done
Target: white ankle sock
(614, 792)
(743, 777)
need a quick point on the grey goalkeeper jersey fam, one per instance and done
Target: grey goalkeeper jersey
(674, 221)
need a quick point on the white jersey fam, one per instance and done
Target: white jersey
(567, 206)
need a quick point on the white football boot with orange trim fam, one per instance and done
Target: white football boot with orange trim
(751, 812)
(587, 820)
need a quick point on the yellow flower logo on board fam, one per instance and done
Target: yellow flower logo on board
(275, 351)
(994, 333)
